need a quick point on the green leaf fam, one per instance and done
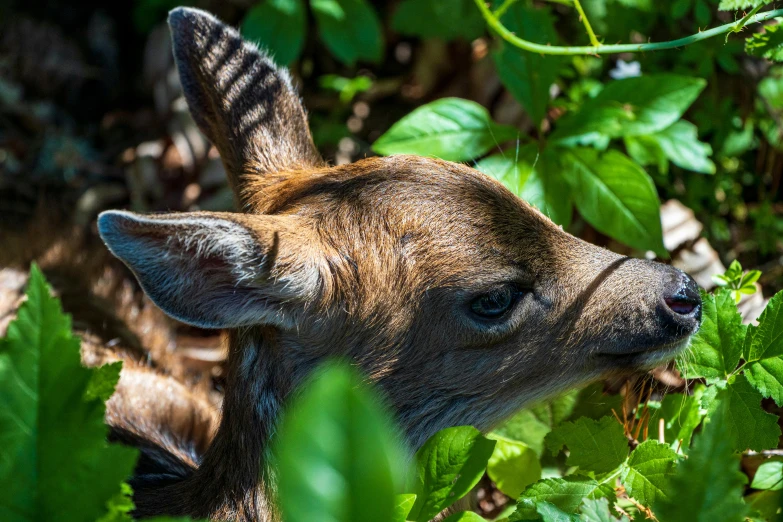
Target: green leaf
(452, 129)
(747, 424)
(769, 476)
(734, 5)
(767, 339)
(680, 143)
(513, 466)
(448, 465)
(528, 76)
(465, 516)
(681, 415)
(402, 506)
(616, 196)
(278, 26)
(646, 151)
(597, 510)
(566, 494)
(531, 425)
(446, 19)
(511, 169)
(594, 445)
(534, 177)
(716, 348)
(550, 513)
(632, 107)
(119, 506)
(547, 189)
(350, 29)
(766, 376)
(55, 463)
(768, 44)
(708, 484)
(103, 381)
(647, 473)
(764, 505)
(338, 457)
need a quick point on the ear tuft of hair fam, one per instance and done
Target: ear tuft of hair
(241, 100)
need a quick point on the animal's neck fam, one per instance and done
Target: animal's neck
(232, 481)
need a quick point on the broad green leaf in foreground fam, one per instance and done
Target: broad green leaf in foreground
(594, 445)
(616, 196)
(528, 76)
(338, 456)
(747, 425)
(564, 493)
(450, 128)
(716, 348)
(447, 19)
(532, 424)
(708, 485)
(277, 26)
(55, 463)
(768, 44)
(647, 472)
(350, 29)
(632, 107)
(513, 466)
(402, 506)
(768, 337)
(764, 351)
(448, 465)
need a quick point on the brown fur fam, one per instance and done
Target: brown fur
(378, 263)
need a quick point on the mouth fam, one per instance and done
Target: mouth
(647, 358)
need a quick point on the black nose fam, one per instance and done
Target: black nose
(683, 299)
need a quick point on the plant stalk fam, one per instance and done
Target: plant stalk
(583, 17)
(526, 45)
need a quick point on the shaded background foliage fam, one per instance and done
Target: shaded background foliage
(92, 116)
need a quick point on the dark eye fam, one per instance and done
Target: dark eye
(495, 303)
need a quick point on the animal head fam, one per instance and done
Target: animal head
(461, 300)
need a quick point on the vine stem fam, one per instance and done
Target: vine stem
(589, 28)
(526, 45)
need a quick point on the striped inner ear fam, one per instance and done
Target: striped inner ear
(240, 99)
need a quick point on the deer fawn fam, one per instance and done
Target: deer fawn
(458, 299)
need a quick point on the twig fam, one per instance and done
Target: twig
(526, 45)
(583, 17)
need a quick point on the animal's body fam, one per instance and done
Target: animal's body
(459, 300)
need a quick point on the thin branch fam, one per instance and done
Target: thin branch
(583, 17)
(526, 45)
(500, 11)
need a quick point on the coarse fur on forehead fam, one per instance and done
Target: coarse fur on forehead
(460, 222)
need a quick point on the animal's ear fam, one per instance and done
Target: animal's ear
(219, 270)
(240, 99)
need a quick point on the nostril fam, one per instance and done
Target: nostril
(686, 300)
(681, 306)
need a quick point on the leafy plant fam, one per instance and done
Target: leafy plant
(350, 29)
(737, 281)
(55, 462)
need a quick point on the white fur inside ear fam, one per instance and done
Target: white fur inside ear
(205, 271)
